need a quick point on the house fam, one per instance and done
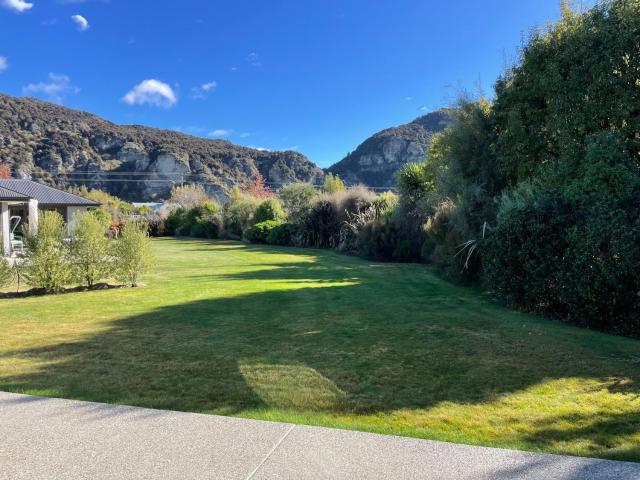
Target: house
(20, 201)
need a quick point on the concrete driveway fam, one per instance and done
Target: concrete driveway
(42, 438)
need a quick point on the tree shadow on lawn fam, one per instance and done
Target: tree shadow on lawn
(333, 339)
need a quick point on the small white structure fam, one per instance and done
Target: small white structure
(20, 202)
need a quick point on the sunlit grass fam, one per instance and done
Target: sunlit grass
(316, 337)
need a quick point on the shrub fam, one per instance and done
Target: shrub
(575, 264)
(90, 249)
(187, 197)
(333, 184)
(414, 179)
(525, 251)
(103, 217)
(321, 226)
(270, 209)
(260, 231)
(385, 203)
(203, 221)
(599, 275)
(284, 234)
(47, 264)
(238, 215)
(133, 253)
(330, 222)
(6, 273)
(175, 220)
(157, 225)
(377, 240)
(297, 199)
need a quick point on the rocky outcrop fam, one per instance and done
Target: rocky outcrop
(63, 147)
(376, 160)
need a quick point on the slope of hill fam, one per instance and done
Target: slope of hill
(59, 146)
(378, 158)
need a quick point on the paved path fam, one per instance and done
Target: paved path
(44, 438)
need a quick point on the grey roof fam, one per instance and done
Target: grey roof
(6, 194)
(45, 195)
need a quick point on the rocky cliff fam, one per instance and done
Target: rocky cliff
(378, 158)
(62, 147)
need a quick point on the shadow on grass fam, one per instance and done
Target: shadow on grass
(342, 339)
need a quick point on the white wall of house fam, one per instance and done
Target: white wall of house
(33, 216)
(6, 234)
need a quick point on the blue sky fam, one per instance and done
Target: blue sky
(315, 76)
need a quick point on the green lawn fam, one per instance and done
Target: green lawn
(315, 337)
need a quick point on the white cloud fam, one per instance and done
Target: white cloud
(19, 6)
(254, 59)
(82, 22)
(245, 135)
(220, 133)
(209, 86)
(55, 90)
(200, 92)
(3, 64)
(423, 108)
(151, 92)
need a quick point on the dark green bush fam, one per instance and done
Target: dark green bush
(321, 227)
(525, 252)
(577, 264)
(325, 225)
(284, 234)
(260, 231)
(203, 221)
(377, 240)
(601, 284)
(175, 220)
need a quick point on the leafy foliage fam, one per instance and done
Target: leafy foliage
(270, 209)
(297, 199)
(258, 188)
(5, 171)
(333, 184)
(284, 234)
(187, 197)
(6, 273)
(202, 221)
(239, 214)
(47, 266)
(133, 253)
(90, 257)
(261, 231)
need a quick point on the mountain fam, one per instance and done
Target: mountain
(61, 146)
(377, 159)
